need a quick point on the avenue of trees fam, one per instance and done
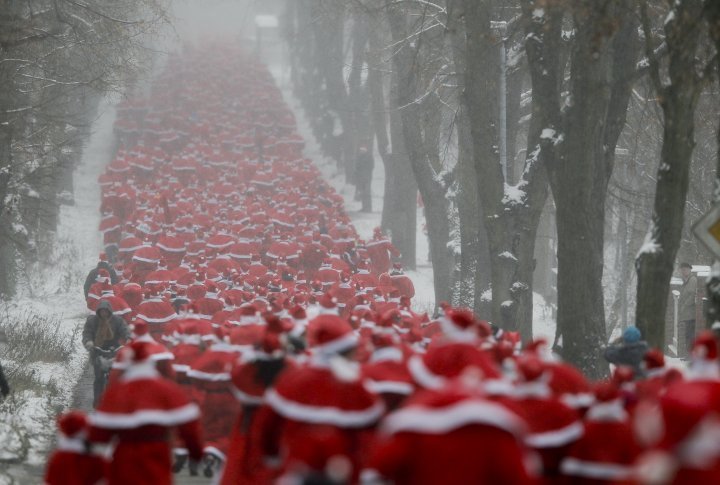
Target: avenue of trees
(560, 147)
(58, 58)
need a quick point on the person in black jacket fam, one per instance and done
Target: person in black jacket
(106, 332)
(92, 275)
(4, 386)
(629, 350)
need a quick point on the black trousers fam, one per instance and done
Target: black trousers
(689, 334)
(100, 380)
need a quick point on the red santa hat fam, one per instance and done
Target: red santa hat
(103, 275)
(704, 362)
(330, 335)
(461, 325)
(608, 406)
(72, 423)
(654, 359)
(328, 304)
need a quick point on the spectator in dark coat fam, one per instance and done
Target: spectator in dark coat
(92, 275)
(687, 305)
(105, 331)
(4, 387)
(628, 350)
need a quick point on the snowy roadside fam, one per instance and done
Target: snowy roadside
(42, 353)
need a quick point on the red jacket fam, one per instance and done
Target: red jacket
(450, 437)
(300, 429)
(139, 410)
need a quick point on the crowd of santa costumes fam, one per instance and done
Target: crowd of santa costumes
(271, 344)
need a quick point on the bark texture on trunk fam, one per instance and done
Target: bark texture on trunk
(510, 214)
(422, 149)
(678, 100)
(601, 59)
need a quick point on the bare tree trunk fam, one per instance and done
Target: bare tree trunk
(402, 205)
(510, 213)
(713, 285)
(422, 153)
(579, 176)
(655, 262)
(474, 255)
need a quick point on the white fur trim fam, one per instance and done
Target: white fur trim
(145, 260)
(144, 417)
(158, 282)
(611, 411)
(420, 419)
(387, 354)
(162, 356)
(556, 437)
(324, 414)
(171, 250)
(371, 477)
(579, 400)
(156, 320)
(246, 398)
(137, 371)
(74, 445)
(207, 376)
(423, 375)
(389, 387)
(701, 449)
(220, 246)
(346, 342)
(211, 450)
(594, 469)
(532, 389)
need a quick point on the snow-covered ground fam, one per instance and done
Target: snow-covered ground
(52, 358)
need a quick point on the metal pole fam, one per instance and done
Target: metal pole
(503, 103)
(676, 297)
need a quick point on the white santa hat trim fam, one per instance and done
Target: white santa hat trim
(387, 354)
(389, 387)
(129, 250)
(595, 470)
(145, 417)
(324, 414)
(556, 437)
(181, 368)
(426, 420)
(578, 400)
(246, 398)
(145, 260)
(73, 445)
(162, 356)
(456, 334)
(339, 345)
(207, 376)
(169, 249)
(424, 376)
(611, 411)
(158, 282)
(533, 389)
(157, 320)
